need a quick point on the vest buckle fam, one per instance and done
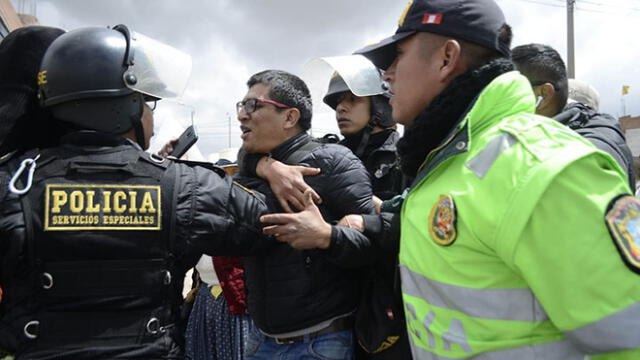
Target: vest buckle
(31, 329)
(166, 280)
(47, 281)
(153, 326)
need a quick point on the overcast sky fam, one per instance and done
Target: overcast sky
(230, 40)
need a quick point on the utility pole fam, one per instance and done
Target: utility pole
(571, 60)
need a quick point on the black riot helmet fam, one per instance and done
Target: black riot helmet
(98, 78)
(380, 108)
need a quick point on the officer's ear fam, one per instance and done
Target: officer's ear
(451, 64)
(546, 106)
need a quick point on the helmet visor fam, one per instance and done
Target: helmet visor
(360, 75)
(159, 70)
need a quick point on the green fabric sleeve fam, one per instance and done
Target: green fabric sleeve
(565, 252)
(621, 355)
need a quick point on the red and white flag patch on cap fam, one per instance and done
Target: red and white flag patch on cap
(431, 18)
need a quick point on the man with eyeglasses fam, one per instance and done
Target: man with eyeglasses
(302, 299)
(547, 73)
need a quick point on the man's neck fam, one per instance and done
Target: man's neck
(288, 136)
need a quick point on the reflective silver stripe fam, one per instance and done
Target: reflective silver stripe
(482, 162)
(559, 350)
(617, 332)
(501, 304)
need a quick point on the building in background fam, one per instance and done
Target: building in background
(11, 20)
(631, 126)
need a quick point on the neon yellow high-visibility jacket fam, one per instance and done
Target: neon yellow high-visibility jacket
(505, 251)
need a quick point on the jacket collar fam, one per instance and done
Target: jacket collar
(390, 142)
(282, 151)
(390, 135)
(445, 115)
(508, 94)
(94, 139)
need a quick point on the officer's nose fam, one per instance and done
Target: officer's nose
(389, 74)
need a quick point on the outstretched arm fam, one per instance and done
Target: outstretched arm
(218, 216)
(307, 230)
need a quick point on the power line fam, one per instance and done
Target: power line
(579, 7)
(542, 3)
(591, 10)
(603, 5)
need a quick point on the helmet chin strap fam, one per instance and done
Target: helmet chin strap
(366, 133)
(137, 125)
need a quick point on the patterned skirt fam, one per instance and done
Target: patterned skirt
(213, 333)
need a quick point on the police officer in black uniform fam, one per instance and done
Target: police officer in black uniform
(96, 234)
(374, 143)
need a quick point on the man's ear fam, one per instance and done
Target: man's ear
(451, 64)
(293, 116)
(547, 91)
(548, 105)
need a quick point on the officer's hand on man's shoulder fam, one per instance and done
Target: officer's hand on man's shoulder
(287, 182)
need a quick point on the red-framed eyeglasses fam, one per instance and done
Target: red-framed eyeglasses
(250, 105)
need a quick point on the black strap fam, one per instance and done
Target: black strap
(363, 143)
(27, 210)
(101, 328)
(5, 177)
(207, 165)
(4, 188)
(120, 162)
(105, 278)
(169, 184)
(155, 160)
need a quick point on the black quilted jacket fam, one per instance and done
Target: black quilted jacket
(289, 289)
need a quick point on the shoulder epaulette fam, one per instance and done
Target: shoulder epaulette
(154, 159)
(207, 165)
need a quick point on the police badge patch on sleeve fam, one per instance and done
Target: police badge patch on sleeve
(623, 220)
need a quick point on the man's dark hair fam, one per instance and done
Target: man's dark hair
(540, 64)
(477, 55)
(288, 89)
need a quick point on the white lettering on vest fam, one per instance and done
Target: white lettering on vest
(454, 335)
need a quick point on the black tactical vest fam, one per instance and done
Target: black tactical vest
(100, 261)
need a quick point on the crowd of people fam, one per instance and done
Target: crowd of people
(500, 225)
